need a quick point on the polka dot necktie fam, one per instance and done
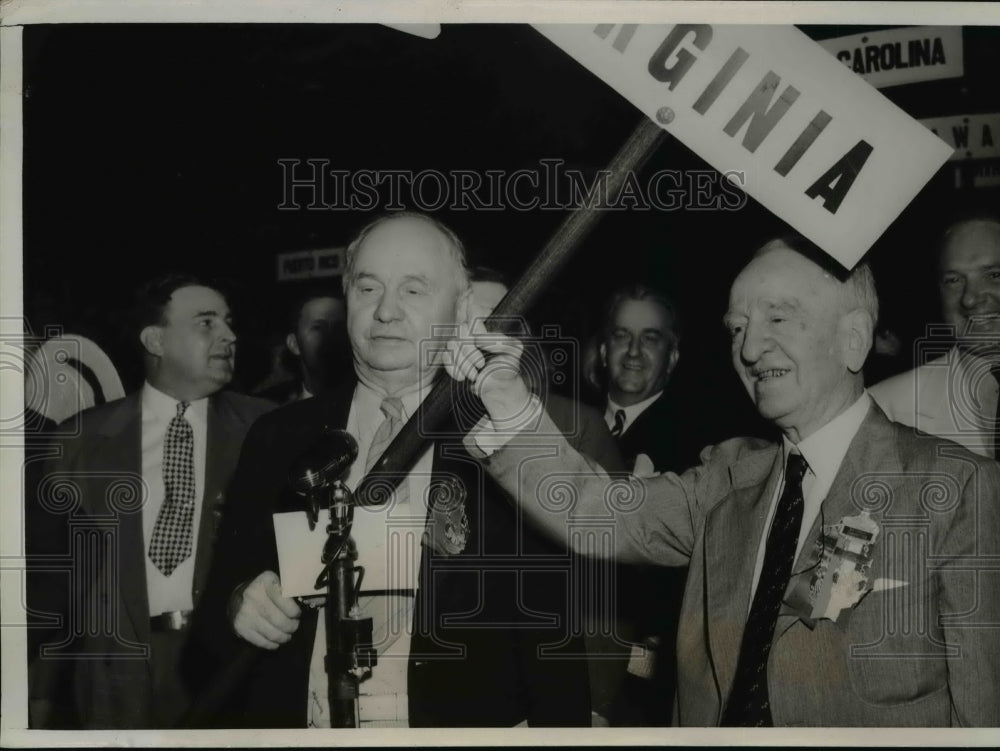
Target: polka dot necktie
(749, 704)
(619, 426)
(172, 543)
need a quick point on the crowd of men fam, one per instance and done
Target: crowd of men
(595, 567)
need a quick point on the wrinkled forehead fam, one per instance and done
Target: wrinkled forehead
(778, 273)
(196, 300)
(640, 315)
(407, 245)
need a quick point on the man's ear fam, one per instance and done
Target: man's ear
(857, 330)
(673, 358)
(463, 306)
(293, 345)
(152, 340)
(603, 352)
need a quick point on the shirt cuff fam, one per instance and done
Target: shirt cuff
(489, 437)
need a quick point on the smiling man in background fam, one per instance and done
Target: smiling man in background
(638, 350)
(957, 395)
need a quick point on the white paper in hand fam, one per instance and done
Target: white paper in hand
(300, 553)
(644, 467)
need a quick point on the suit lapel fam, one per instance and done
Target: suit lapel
(121, 448)
(733, 531)
(223, 439)
(848, 495)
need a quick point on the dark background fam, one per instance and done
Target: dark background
(150, 148)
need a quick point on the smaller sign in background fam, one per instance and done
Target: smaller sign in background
(897, 56)
(310, 264)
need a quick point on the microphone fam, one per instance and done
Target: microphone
(326, 461)
(320, 466)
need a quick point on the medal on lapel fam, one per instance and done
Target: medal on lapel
(842, 574)
(447, 529)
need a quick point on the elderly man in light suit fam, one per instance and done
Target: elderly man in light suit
(957, 394)
(844, 577)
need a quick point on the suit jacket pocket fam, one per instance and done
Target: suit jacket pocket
(894, 656)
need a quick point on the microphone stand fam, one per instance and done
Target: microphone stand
(349, 650)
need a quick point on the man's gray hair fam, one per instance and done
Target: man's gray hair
(859, 283)
(455, 245)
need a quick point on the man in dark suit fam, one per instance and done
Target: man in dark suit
(843, 577)
(140, 489)
(585, 430)
(316, 342)
(637, 351)
(468, 632)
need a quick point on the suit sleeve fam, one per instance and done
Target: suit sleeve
(654, 519)
(47, 534)
(969, 601)
(597, 443)
(245, 546)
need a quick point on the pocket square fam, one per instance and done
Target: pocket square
(882, 585)
(644, 467)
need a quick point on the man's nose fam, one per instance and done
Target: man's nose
(972, 294)
(634, 348)
(227, 334)
(388, 308)
(755, 344)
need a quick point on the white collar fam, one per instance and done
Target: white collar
(632, 412)
(162, 406)
(825, 449)
(370, 397)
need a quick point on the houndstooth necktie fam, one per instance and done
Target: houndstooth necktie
(619, 426)
(171, 542)
(749, 704)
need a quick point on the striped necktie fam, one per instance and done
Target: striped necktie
(749, 704)
(619, 426)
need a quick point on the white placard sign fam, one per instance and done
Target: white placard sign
(818, 146)
(972, 136)
(897, 56)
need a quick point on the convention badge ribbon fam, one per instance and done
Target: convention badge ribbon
(447, 530)
(839, 574)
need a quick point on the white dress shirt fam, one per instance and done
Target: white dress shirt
(631, 413)
(389, 548)
(824, 452)
(169, 593)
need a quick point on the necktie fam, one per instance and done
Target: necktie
(392, 408)
(995, 372)
(748, 704)
(171, 542)
(619, 426)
